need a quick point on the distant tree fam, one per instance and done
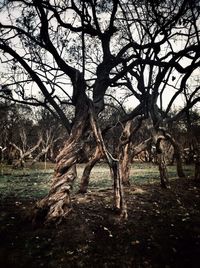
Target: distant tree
(51, 132)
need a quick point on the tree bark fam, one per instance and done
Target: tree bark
(86, 173)
(125, 151)
(179, 165)
(113, 163)
(177, 156)
(57, 204)
(164, 179)
(125, 164)
(37, 158)
(120, 203)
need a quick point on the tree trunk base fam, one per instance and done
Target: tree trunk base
(56, 206)
(52, 209)
(164, 180)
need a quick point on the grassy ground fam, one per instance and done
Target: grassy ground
(35, 182)
(163, 228)
(140, 173)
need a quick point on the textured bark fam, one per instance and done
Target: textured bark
(86, 173)
(57, 205)
(125, 165)
(177, 156)
(141, 147)
(164, 180)
(42, 153)
(120, 203)
(124, 152)
(158, 138)
(113, 163)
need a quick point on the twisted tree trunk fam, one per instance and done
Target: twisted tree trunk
(57, 205)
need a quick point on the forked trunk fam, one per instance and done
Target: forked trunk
(114, 165)
(86, 173)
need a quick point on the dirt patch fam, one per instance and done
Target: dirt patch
(163, 230)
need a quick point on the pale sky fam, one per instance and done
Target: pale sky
(168, 93)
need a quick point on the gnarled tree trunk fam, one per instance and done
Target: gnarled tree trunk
(57, 205)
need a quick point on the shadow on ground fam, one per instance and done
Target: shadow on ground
(163, 230)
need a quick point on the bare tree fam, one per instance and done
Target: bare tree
(72, 53)
(24, 152)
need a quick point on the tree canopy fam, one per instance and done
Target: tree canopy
(145, 47)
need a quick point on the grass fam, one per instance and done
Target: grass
(140, 173)
(35, 182)
(148, 173)
(24, 183)
(93, 235)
